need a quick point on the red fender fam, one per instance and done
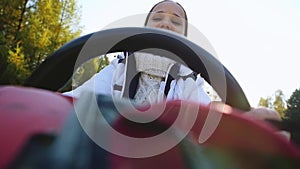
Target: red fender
(249, 141)
(25, 112)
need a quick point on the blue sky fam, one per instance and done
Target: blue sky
(257, 40)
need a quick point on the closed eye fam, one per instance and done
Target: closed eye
(156, 19)
(176, 23)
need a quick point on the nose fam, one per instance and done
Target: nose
(165, 24)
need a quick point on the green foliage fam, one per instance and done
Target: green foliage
(293, 106)
(30, 30)
(265, 102)
(277, 102)
(16, 64)
(85, 72)
(103, 61)
(88, 69)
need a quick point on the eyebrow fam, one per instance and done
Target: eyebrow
(166, 12)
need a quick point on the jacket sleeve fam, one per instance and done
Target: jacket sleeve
(203, 96)
(184, 88)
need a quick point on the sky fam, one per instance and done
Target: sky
(258, 41)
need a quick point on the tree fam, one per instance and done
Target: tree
(16, 65)
(293, 106)
(85, 71)
(88, 69)
(265, 102)
(30, 30)
(277, 102)
(12, 16)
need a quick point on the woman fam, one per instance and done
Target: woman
(151, 80)
(149, 85)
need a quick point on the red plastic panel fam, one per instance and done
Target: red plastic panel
(25, 112)
(243, 138)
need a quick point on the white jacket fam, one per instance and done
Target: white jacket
(115, 74)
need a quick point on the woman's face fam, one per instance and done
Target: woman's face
(168, 15)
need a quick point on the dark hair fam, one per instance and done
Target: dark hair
(185, 16)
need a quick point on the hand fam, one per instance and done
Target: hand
(263, 113)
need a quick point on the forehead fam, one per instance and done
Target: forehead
(169, 8)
